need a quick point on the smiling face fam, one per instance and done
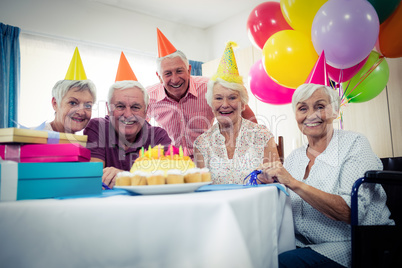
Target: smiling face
(226, 105)
(74, 111)
(127, 112)
(175, 77)
(314, 116)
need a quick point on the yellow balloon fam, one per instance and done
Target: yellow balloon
(300, 14)
(288, 57)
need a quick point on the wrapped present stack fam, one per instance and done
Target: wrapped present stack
(46, 164)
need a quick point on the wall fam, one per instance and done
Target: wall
(92, 22)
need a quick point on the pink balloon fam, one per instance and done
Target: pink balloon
(342, 75)
(265, 20)
(265, 89)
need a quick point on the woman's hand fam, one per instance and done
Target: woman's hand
(275, 172)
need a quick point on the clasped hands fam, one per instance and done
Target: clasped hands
(274, 172)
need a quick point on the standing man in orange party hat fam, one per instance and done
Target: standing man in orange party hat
(72, 99)
(117, 139)
(178, 102)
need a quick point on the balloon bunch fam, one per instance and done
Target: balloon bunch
(291, 35)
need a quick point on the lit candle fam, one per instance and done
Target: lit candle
(185, 153)
(180, 151)
(142, 151)
(171, 151)
(149, 151)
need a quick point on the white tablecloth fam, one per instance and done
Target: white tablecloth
(233, 228)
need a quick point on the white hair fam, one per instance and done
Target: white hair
(240, 88)
(120, 85)
(177, 53)
(305, 91)
(61, 88)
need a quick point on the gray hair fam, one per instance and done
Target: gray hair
(120, 85)
(177, 53)
(305, 91)
(61, 88)
(240, 88)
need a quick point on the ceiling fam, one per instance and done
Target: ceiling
(197, 13)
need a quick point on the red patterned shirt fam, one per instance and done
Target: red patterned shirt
(185, 120)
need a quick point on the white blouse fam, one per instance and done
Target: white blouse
(346, 159)
(248, 155)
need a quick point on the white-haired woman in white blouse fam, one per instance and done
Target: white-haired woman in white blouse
(320, 176)
(234, 146)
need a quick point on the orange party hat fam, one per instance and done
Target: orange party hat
(124, 71)
(227, 69)
(164, 46)
(76, 69)
(319, 73)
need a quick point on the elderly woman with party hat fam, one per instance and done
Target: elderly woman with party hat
(72, 99)
(320, 176)
(234, 146)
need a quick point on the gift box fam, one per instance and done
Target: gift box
(32, 153)
(49, 180)
(21, 135)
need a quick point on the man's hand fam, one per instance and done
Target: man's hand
(109, 176)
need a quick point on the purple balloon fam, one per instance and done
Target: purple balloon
(346, 30)
(265, 89)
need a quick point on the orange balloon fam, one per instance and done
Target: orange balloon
(390, 37)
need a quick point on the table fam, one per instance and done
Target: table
(233, 228)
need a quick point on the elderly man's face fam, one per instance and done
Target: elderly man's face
(175, 77)
(128, 112)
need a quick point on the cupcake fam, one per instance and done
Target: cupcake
(123, 178)
(138, 178)
(205, 175)
(192, 175)
(156, 178)
(174, 176)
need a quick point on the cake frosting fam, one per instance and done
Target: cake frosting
(174, 168)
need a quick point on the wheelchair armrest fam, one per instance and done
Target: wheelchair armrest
(372, 176)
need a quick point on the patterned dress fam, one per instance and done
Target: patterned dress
(346, 159)
(248, 155)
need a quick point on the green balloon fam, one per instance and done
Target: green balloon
(365, 86)
(384, 8)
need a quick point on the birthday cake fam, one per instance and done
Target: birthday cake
(155, 167)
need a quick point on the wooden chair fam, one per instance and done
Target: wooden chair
(279, 146)
(377, 245)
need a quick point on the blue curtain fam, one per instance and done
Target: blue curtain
(9, 75)
(196, 67)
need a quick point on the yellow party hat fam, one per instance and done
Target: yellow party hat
(227, 69)
(76, 69)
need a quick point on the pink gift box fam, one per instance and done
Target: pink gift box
(34, 153)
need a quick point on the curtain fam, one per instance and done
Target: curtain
(9, 75)
(196, 67)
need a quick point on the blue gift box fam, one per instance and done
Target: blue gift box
(50, 180)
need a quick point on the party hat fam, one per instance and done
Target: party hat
(76, 69)
(227, 69)
(124, 71)
(164, 46)
(319, 73)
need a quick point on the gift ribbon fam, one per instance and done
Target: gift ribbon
(12, 152)
(9, 180)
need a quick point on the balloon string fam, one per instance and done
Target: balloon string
(372, 68)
